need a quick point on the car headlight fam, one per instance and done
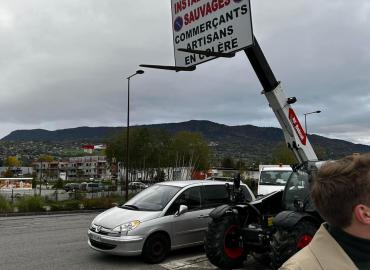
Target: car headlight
(126, 227)
(92, 225)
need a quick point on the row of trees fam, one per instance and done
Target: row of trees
(153, 150)
(280, 154)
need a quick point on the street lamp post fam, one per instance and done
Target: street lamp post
(40, 177)
(305, 120)
(128, 131)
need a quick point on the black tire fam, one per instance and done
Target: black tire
(286, 242)
(224, 243)
(156, 248)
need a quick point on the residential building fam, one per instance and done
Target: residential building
(87, 167)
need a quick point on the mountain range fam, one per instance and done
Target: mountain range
(243, 141)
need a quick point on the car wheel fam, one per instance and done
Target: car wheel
(156, 248)
(224, 245)
(286, 242)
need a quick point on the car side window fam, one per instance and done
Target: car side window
(214, 196)
(190, 198)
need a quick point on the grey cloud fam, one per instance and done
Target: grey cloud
(64, 63)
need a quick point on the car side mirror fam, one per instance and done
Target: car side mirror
(182, 210)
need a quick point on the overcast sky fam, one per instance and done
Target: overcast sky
(63, 64)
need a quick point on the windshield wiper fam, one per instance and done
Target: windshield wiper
(129, 206)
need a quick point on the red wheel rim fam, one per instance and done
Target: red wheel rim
(231, 242)
(304, 240)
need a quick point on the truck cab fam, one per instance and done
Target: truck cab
(272, 178)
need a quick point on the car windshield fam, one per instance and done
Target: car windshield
(274, 178)
(154, 198)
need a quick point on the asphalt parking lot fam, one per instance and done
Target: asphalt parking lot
(60, 242)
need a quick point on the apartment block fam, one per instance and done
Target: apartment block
(87, 167)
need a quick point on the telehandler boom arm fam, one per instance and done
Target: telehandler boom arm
(294, 134)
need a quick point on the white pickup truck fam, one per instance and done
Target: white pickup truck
(272, 178)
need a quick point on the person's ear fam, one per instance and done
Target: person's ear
(362, 214)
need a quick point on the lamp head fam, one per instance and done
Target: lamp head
(318, 111)
(139, 71)
(291, 100)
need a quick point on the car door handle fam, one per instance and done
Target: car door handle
(203, 216)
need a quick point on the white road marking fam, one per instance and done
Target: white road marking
(198, 262)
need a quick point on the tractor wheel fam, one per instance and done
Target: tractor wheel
(286, 242)
(224, 243)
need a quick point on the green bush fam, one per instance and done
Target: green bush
(58, 184)
(56, 206)
(64, 206)
(37, 203)
(30, 204)
(95, 203)
(4, 205)
(100, 203)
(71, 205)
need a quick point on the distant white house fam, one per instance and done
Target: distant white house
(17, 171)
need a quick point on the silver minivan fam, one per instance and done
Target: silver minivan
(163, 217)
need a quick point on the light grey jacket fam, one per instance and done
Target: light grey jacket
(323, 253)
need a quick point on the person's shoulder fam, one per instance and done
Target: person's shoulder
(303, 260)
(291, 265)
